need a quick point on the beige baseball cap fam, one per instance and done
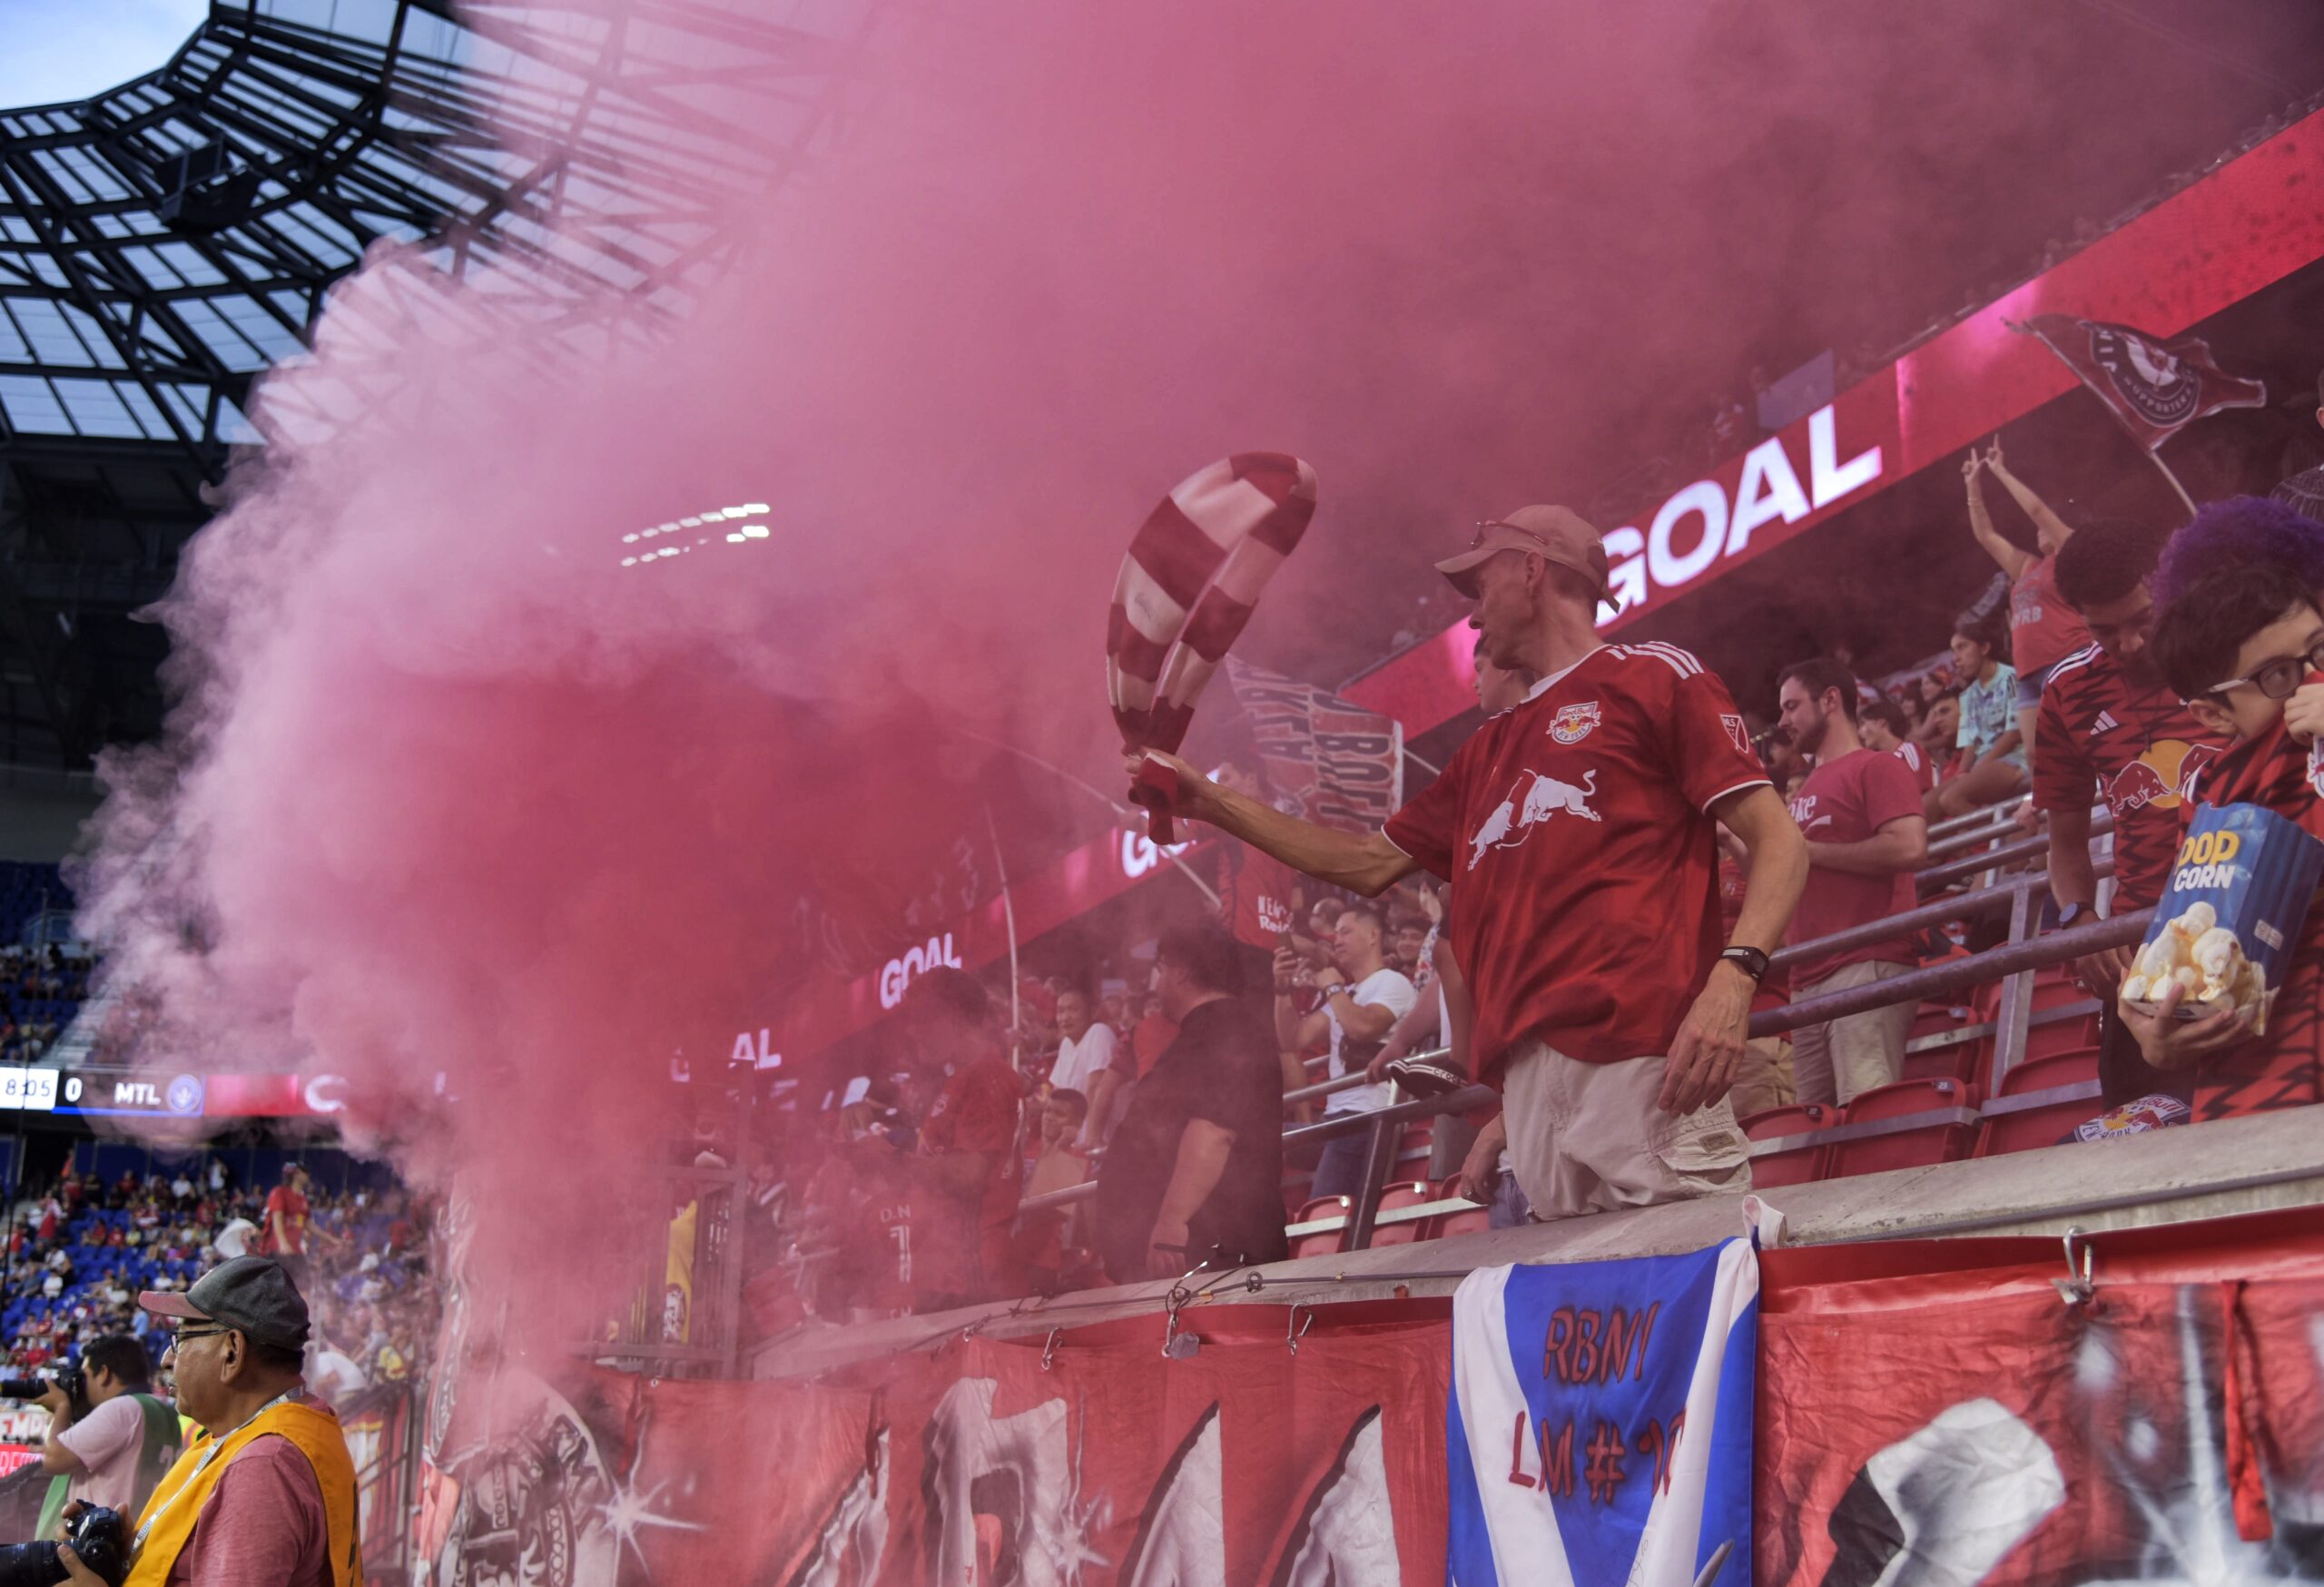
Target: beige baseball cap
(1558, 534)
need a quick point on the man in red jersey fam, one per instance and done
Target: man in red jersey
(1865, 835)
(2112, 730)
(2244, 647)
(1577, 831)
(965, 1173)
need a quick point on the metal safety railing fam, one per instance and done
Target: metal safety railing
(2013, 963)
(685, 1319)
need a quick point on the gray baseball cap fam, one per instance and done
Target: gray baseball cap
(253, 1294)
(1558, 534)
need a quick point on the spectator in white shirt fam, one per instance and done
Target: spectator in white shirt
(1363, 1000)
(1085, 1063)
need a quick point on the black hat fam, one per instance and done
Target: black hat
(253, 1294)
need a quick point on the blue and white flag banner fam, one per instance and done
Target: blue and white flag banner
(1599, 1431)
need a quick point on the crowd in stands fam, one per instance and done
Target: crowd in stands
(80, 1251)
(41, 988)
(2108, 675)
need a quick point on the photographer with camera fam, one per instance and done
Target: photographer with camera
(266, 1496)
(109, 1438)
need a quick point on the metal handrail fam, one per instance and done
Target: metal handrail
(2003, 822)
(1952, 871)
(1962, 906)
(1993, 964)
(1982, 816)
(1331, 1088)
(1998, 820)
(2009, 963)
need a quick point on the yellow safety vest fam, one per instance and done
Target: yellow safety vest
(168, 1518)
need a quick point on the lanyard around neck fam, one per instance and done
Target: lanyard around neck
(201, 1464)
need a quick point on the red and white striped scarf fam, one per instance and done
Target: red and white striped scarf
(1193, 573)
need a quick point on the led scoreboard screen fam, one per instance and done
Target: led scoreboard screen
(121, 1093)
(113, 1093)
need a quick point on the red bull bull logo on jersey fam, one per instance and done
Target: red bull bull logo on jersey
(2157, 779)
(1535, 800)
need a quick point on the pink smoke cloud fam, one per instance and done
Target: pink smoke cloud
(466, 782)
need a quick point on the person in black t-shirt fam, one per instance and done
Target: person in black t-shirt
(1195, 1170)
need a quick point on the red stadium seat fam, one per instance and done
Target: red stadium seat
(1324, 1242)
(1956, 1061)
(1925, 1122)
(1798, 1165)
(1412, 1193)
(2040, 1100)
(1937, 1017)
(2056, 992)
(1469, 1220)
(2063, 1036)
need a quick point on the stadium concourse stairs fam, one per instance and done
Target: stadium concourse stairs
(1944, 1109)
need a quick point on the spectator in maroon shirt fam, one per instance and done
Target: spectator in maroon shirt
(1861, 814)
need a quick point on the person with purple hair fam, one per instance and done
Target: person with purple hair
(2242, 531)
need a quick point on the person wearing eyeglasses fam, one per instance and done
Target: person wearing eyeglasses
(2110, 723)
(2244, 647)
(266, 1496)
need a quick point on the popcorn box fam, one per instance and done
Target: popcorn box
(2229, 922)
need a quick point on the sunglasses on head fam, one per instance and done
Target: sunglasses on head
(2280, 679)
(1486, 526)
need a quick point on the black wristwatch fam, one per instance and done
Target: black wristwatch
(1752, 962)
(2071, 915)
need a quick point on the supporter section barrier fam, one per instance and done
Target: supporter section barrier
(1928, 1411)
(382, 1429)
(687, 1318)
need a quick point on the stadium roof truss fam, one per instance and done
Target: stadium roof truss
(162, 244)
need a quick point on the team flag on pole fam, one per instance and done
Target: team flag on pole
(2155, 388)
(1599, 1429)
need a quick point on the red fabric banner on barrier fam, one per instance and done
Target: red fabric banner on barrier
(1931, 1414)
(980, 1465)
(1951, 1430)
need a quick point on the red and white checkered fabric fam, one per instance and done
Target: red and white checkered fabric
(1194, 572)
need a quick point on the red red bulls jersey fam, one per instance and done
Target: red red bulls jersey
(1577, 835)
(1259, 894)
(2284, 1066)
(2134, 746)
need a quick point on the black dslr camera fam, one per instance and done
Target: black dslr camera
(69, 1378)
(99, 1536)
